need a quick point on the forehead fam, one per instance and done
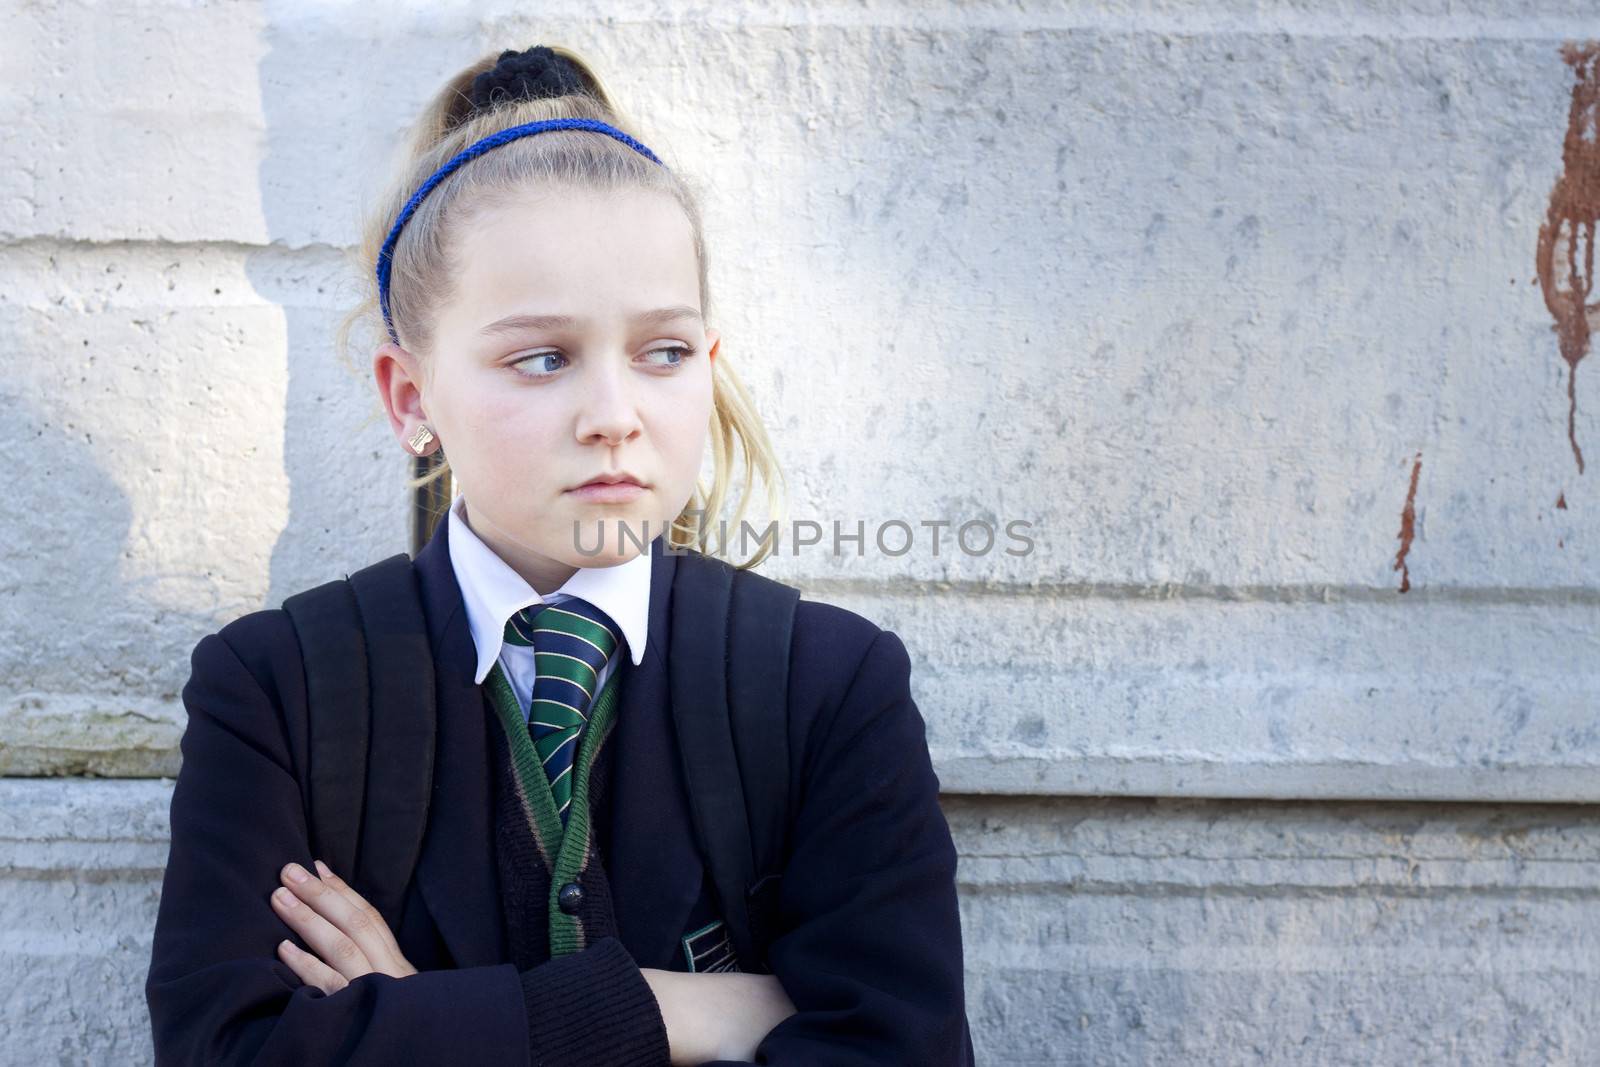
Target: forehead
(573, 252)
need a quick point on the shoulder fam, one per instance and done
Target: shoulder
(854, 724)
(843, 663)
(828, 630)
(246, 685)
(261, 644)
(828, 643)
(266, 643)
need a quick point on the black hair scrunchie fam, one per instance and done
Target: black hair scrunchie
(530, 75)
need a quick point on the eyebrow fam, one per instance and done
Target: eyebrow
(513, 323)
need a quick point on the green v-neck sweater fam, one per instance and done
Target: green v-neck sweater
(602, 1008)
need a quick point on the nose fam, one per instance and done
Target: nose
(609, 414)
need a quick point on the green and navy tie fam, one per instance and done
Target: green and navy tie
(574, 641)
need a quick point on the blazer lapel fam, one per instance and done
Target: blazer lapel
(654, 867)
(455, 872)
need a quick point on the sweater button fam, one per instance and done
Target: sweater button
(570, 897)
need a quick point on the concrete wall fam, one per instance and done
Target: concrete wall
(1281, 746)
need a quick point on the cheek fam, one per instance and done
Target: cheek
(499, 436)
(686, 419)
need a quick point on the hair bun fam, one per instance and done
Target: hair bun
(529, 75)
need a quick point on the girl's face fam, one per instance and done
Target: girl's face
(574, 348)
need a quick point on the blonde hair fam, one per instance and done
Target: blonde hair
(421, 265)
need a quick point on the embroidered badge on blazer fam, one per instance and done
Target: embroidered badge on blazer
(708, 949)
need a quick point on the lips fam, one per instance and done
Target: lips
(618, 487)
(611, 480)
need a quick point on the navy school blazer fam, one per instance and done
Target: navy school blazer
(869, 940)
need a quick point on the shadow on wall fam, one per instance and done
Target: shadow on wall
(336, 98)
(92, 651)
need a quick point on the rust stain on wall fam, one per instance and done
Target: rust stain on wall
(1565, 258)
(1408, 526)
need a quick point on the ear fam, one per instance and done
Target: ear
(400, 382)
(713, 342)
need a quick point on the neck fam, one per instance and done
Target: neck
(544, 574)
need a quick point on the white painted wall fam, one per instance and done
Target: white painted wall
(1189, 286)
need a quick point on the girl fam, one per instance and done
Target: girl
(543, 289)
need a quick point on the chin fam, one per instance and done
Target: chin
(606, 536)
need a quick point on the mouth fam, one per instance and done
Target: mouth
(618, 488)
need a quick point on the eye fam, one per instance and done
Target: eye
(541, 370)
(683, 352)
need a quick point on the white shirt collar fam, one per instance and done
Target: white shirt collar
(492, 591)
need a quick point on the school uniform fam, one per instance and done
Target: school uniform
(868, 933)
(492, 591)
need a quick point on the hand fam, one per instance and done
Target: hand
(339, 925)
(752, 1004)
(717, 1015)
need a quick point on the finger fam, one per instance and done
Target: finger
(306, 907)
(356, 918)
(310, 970)
(379, 924)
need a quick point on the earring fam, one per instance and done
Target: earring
(419, 440)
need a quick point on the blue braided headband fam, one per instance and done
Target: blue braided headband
(473, 151)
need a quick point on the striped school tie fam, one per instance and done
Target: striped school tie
(575, 640)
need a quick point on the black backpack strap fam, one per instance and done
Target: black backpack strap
(371, 705)
(401, 741)
(728, 684)
(334, 652)
(760, 628)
